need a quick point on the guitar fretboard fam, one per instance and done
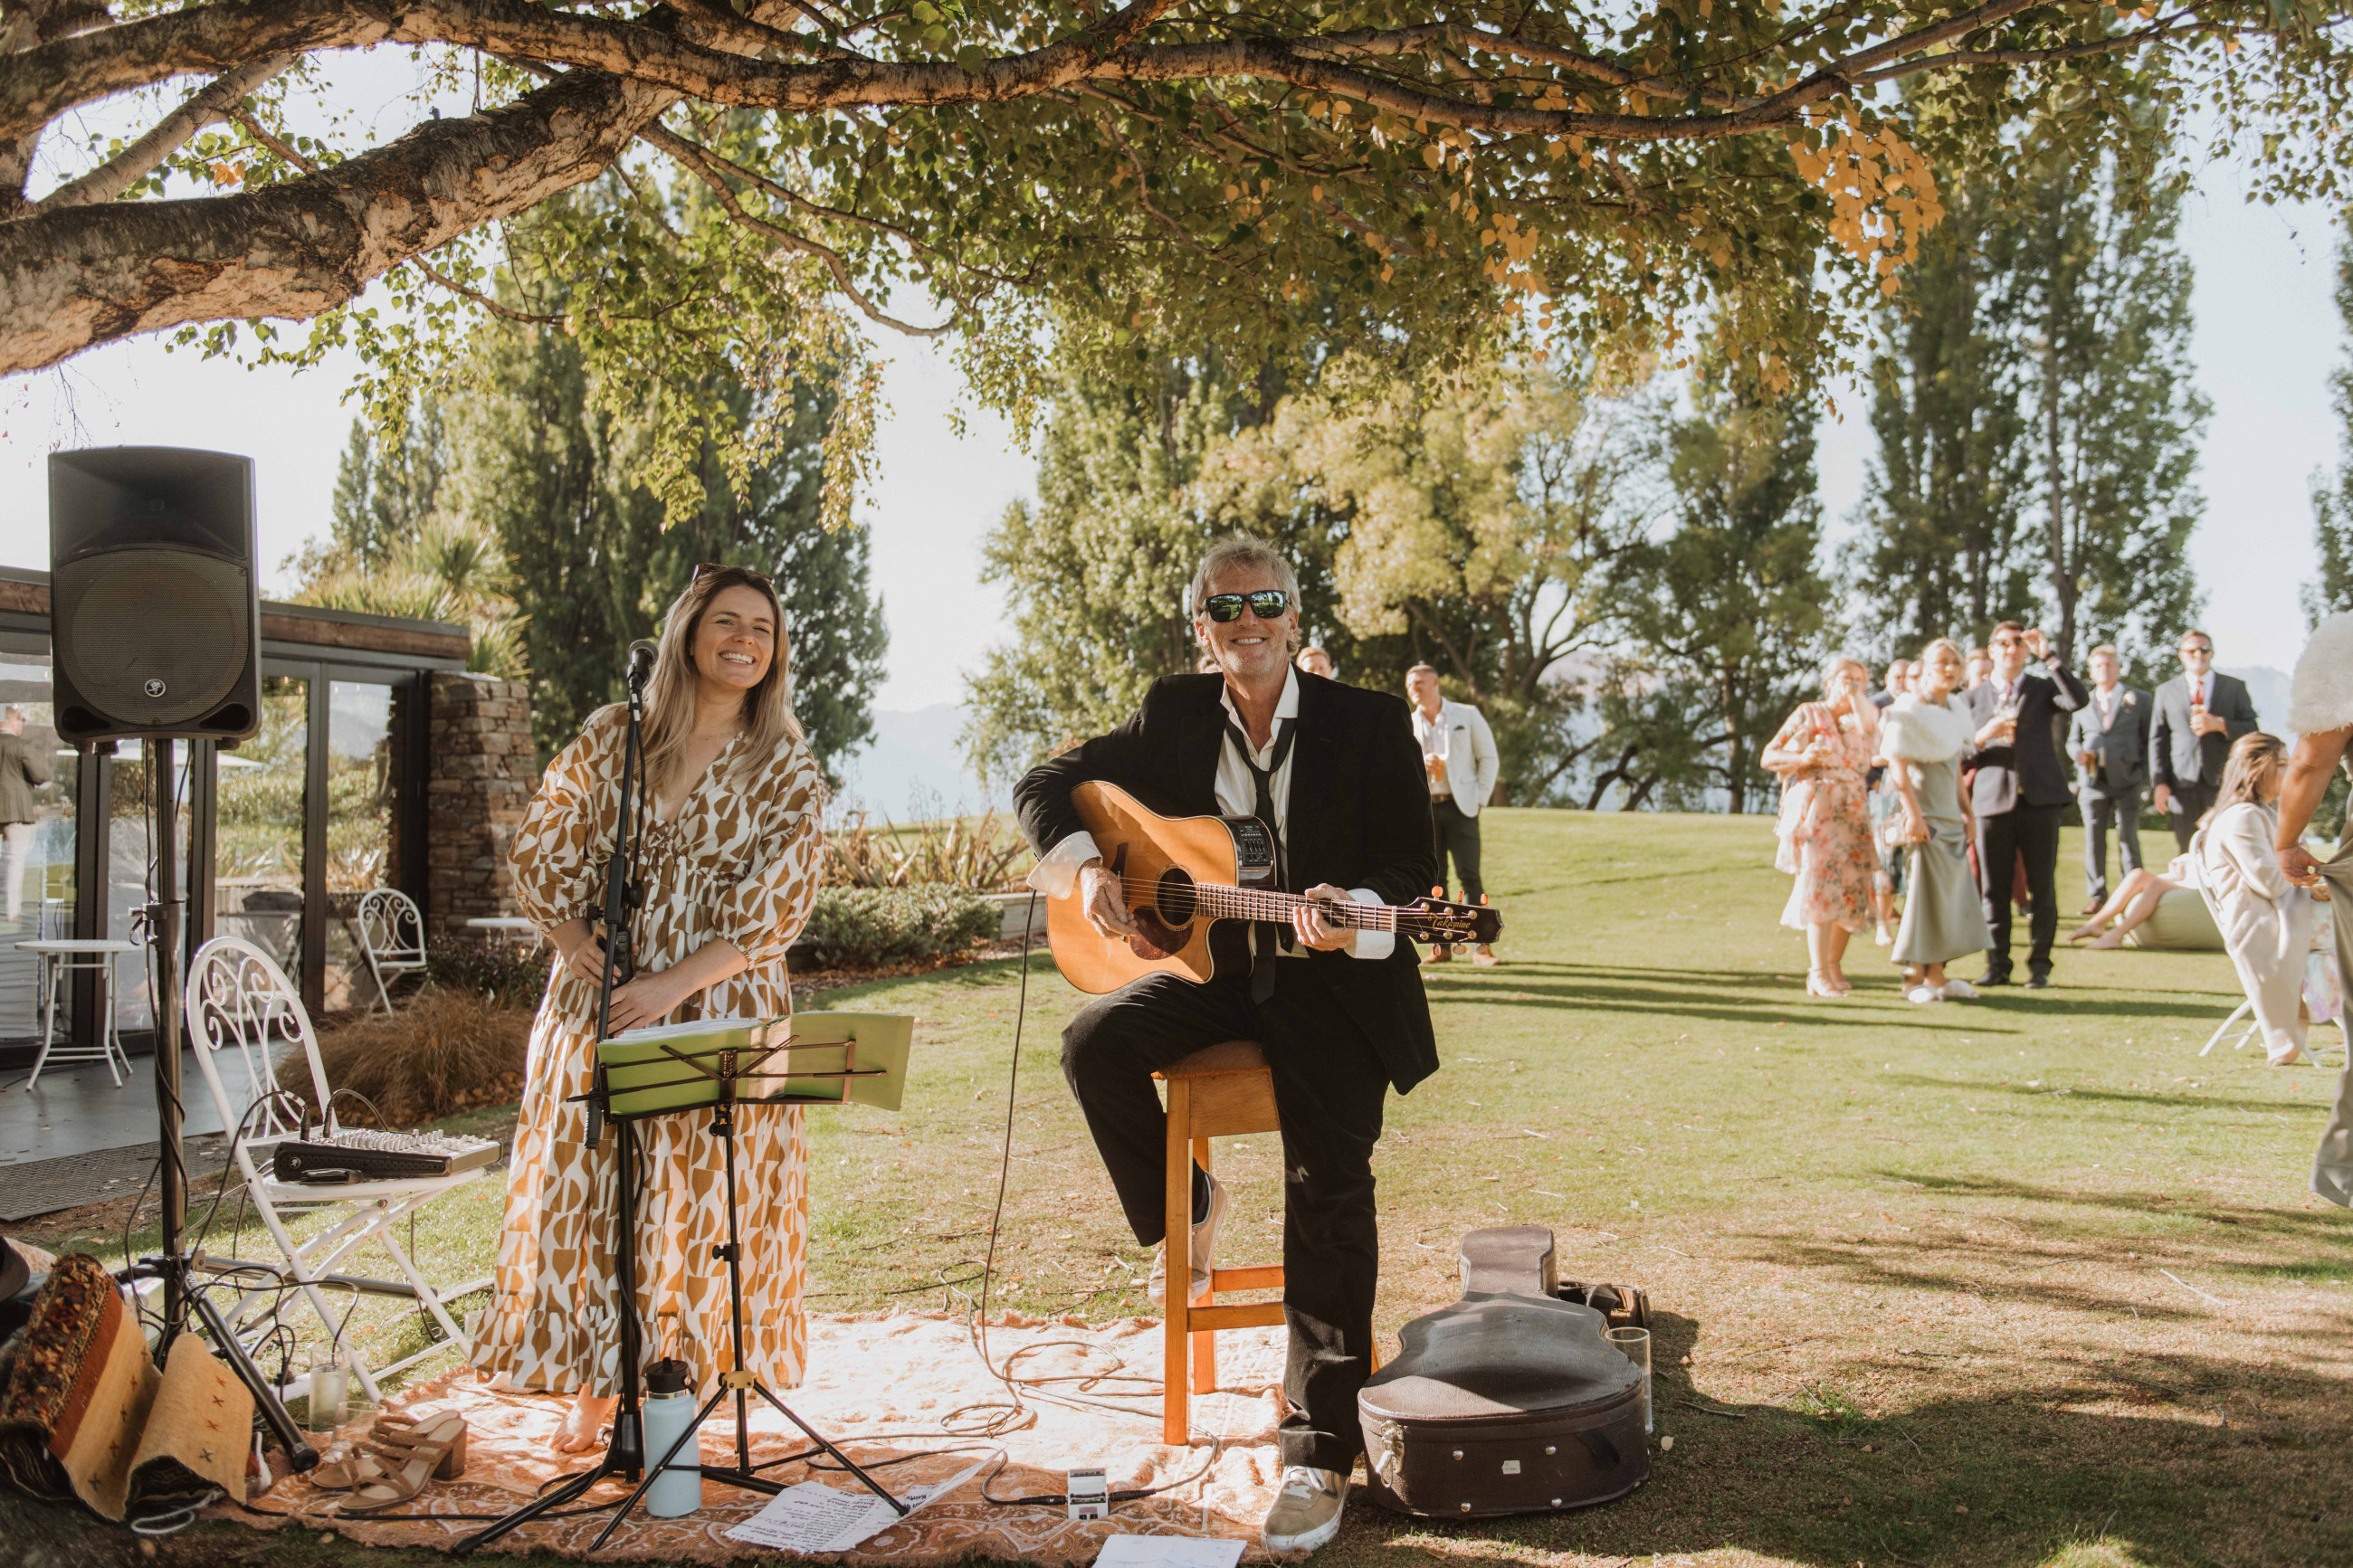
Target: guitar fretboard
(1222, 903)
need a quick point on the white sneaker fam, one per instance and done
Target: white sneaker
(1959, 991)
(1205, 1238)
(1306, 1511)
(1924, 994)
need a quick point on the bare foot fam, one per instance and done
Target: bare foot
(582, 1425)
(2084, 932)
(2113, 939)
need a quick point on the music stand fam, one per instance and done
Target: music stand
(706, 1066)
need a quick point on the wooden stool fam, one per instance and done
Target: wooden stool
(1218, 1092)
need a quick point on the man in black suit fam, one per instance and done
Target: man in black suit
(2021, 792)
(1336, 771)
(2110, 742)
(2199, 714)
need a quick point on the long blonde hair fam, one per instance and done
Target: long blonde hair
(670, 695)
(2255, 760)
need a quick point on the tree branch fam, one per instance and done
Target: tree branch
(699, 163)
(89, 274)
(207, 105)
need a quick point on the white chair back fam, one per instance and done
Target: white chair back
(392, 933)
(238, 999)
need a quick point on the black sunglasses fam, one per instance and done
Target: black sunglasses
(1266, 604)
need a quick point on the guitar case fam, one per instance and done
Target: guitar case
(1509, 1401)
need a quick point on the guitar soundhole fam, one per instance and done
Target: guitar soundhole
(1176, 900)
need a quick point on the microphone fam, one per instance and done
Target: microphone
(641, 664)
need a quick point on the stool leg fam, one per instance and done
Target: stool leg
(1175, 1403)
(111, 1041)
(1205, 1342)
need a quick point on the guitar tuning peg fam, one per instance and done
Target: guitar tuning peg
(1482, 897)
(1438, 892)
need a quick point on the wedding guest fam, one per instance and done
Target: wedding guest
(2020, 791)
(1458, 753)
(1820, 755)
(23, 768)
(2135, 900)
(2266, 920)
(1980, 668)
(1317, 661)
(2320, 713)
(2109, 738)
(1899, 681)
(2199, 714)
(1923, 737)
(1886, 824)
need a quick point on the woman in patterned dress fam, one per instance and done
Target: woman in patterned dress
(1821, 756)
(729, 864)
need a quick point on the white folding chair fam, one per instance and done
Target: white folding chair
(392, 937)
(239, 1001)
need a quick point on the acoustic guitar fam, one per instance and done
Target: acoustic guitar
(1189, 879)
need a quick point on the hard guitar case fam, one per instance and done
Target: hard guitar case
(1509, 1401)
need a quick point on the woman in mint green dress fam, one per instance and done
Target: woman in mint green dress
(1923, 737)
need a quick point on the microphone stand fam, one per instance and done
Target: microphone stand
(624, 1456)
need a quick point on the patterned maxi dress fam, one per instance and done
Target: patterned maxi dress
(738, 860)
(1825, 823)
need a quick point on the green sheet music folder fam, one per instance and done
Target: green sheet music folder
(810, 1059)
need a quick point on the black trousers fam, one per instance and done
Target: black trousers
(2191, 802)
(1328, 1093)
(1450, 830)
(2030, 833)
(2099, 812)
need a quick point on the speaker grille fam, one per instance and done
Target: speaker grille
(155, 636)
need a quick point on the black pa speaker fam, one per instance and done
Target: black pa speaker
(155, 611)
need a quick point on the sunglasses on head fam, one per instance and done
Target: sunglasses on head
(1266, 604)
(702, 566)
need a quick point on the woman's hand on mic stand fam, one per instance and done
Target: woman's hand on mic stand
(648, 999)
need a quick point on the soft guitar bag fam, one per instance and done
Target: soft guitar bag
(1509, 1401)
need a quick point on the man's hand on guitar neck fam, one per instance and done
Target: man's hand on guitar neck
(1103, 901)
(1308, 919)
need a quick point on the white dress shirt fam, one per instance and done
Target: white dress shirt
(1236, 794)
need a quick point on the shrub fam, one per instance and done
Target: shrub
(445, 1051)
(875, 928)
(979, 853)
(515, 977)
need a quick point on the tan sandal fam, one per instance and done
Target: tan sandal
(392, 1473)
(388, 1439)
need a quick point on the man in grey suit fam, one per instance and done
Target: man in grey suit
(2199, 714)
(2109, 739)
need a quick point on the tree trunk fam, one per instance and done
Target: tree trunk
(2063, 587)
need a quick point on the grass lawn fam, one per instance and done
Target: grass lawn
(2021, 1281)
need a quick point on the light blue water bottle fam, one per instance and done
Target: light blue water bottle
(669, 1411)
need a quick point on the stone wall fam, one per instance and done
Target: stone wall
(482, 776)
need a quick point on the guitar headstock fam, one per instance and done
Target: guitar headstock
(1438, 920)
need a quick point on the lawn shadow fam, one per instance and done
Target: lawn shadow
(2114, 1096)
(2130, 1454)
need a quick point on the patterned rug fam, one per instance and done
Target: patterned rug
(885, 1386)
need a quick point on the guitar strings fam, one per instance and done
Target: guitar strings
(1224, 902)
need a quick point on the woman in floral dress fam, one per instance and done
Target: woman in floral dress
(1822, 755)
(729, 864)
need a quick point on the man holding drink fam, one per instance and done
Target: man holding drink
(2199, 714)
(2021, 790)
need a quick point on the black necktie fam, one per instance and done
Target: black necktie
(1273, 936)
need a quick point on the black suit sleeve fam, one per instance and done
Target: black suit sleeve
(2242, 719)
(1042, 799)
(2160, 742)
(1399, 853)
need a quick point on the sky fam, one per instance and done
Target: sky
(2267, 338)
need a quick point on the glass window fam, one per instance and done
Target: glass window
(131, 865)
(257, 853)
(37, 779)
(363, 804)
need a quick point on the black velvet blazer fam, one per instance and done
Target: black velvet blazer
(1358, 817)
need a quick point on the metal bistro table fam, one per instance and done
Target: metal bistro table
(506, 928)
(58, 959)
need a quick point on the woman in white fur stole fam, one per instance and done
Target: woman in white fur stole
(2320, 713)
(1923, 737)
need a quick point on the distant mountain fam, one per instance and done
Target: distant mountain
(912, 768)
